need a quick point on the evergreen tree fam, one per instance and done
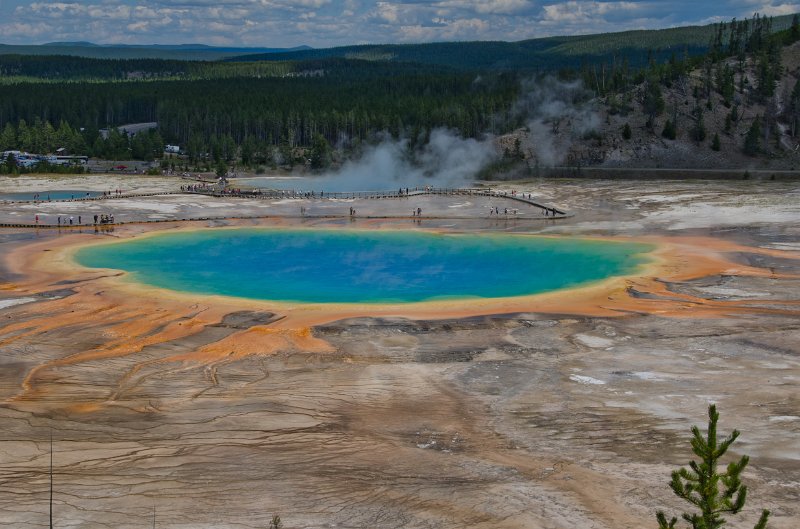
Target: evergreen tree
(48, 140)
(228, 146)
(698, 131)
(222, 169)
(99, 147)
(140, 147)
(248, 151)
(752, 141)
(8, 138)
(320, 152)
(714, 493)
(156, 144)
(275, 522)
(24, 136)
(117, 145)
(196, 147)
(669, 131)
(653, 101)
(626, 131)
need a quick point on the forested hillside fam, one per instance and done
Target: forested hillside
(735, 107)
(269, 112)
(44, 68)
(635, 48)
(353, 101)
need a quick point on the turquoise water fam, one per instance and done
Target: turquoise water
(62, 194)
(362, 266)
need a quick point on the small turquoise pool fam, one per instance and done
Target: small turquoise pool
(44, 196)
(344, 266)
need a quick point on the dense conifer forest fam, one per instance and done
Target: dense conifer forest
(261, 111)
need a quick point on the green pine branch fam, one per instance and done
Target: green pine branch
(715, 494)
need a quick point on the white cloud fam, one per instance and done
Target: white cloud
(322, 23)
(771, 9)
(440, 29)
(388, 12)
(487, 6)
(25, 29)
(583, 11)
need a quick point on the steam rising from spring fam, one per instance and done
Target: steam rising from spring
(557, 113)
(447, 160)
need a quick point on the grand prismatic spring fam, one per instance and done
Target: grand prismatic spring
(208, 361)
(335, 266)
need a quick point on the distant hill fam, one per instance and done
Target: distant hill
(534, 54)
(76, 43)
(180, 52)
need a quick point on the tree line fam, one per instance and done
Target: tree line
(349, 103)
(344, 102)
(42, 137)
(18, 68)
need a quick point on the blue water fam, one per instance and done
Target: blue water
(362, 266)
(51, 195)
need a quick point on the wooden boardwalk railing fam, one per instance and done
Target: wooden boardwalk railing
(551, 212)
(377, 195)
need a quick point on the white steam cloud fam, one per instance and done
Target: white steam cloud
(557, 114)
(447, 160)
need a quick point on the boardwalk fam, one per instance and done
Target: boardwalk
(382, 195)
(225, 204)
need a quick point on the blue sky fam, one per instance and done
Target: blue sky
(324, 23)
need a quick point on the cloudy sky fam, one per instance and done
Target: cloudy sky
(325, 23)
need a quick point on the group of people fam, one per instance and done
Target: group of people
(64, 220)
(496, 211)
(104, 219)
(194, 188)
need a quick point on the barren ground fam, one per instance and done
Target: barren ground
(214, 416)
